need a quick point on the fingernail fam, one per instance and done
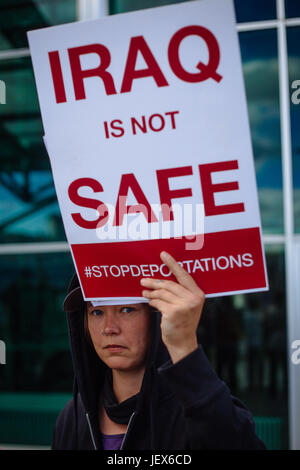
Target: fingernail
(164, 255)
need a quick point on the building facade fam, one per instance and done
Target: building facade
(251, 340)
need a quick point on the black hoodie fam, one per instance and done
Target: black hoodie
(182, 406)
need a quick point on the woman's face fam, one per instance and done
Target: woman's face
(120, 334)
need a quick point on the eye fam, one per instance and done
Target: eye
(96, 313)
(127, 309)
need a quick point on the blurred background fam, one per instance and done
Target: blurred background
(248, 338)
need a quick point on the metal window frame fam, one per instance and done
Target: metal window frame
(92, 9)
(291, 252)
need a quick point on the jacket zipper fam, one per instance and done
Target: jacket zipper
(129, 423)
(91, 431)
(92, 435)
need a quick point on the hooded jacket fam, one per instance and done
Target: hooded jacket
(181, 406)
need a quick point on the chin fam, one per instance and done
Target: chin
(121, 364)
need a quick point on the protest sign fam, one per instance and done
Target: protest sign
(146, 127)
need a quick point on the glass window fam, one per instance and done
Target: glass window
(293, 38)
(246, 10)
(260, 67)
(244, 336)
(254, 10)
(19, 16)
(32, 323)
(121, 6)
(292, 8)
(29, 209)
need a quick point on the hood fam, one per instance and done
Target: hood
(90, 370)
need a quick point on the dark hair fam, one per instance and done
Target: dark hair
(86, 326)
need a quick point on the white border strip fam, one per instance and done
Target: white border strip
(91, 9)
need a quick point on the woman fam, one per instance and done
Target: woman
(141, 379)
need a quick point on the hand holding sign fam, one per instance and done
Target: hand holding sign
(180, 304)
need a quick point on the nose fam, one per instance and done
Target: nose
(110, 326)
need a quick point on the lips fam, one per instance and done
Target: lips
(115, 347)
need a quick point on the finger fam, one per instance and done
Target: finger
(171, 286)
(161, 294)
(182, 276)
(160, 305)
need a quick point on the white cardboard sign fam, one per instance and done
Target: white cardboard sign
(147, 131)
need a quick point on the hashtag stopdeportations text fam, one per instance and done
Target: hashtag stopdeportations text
(204, 265)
